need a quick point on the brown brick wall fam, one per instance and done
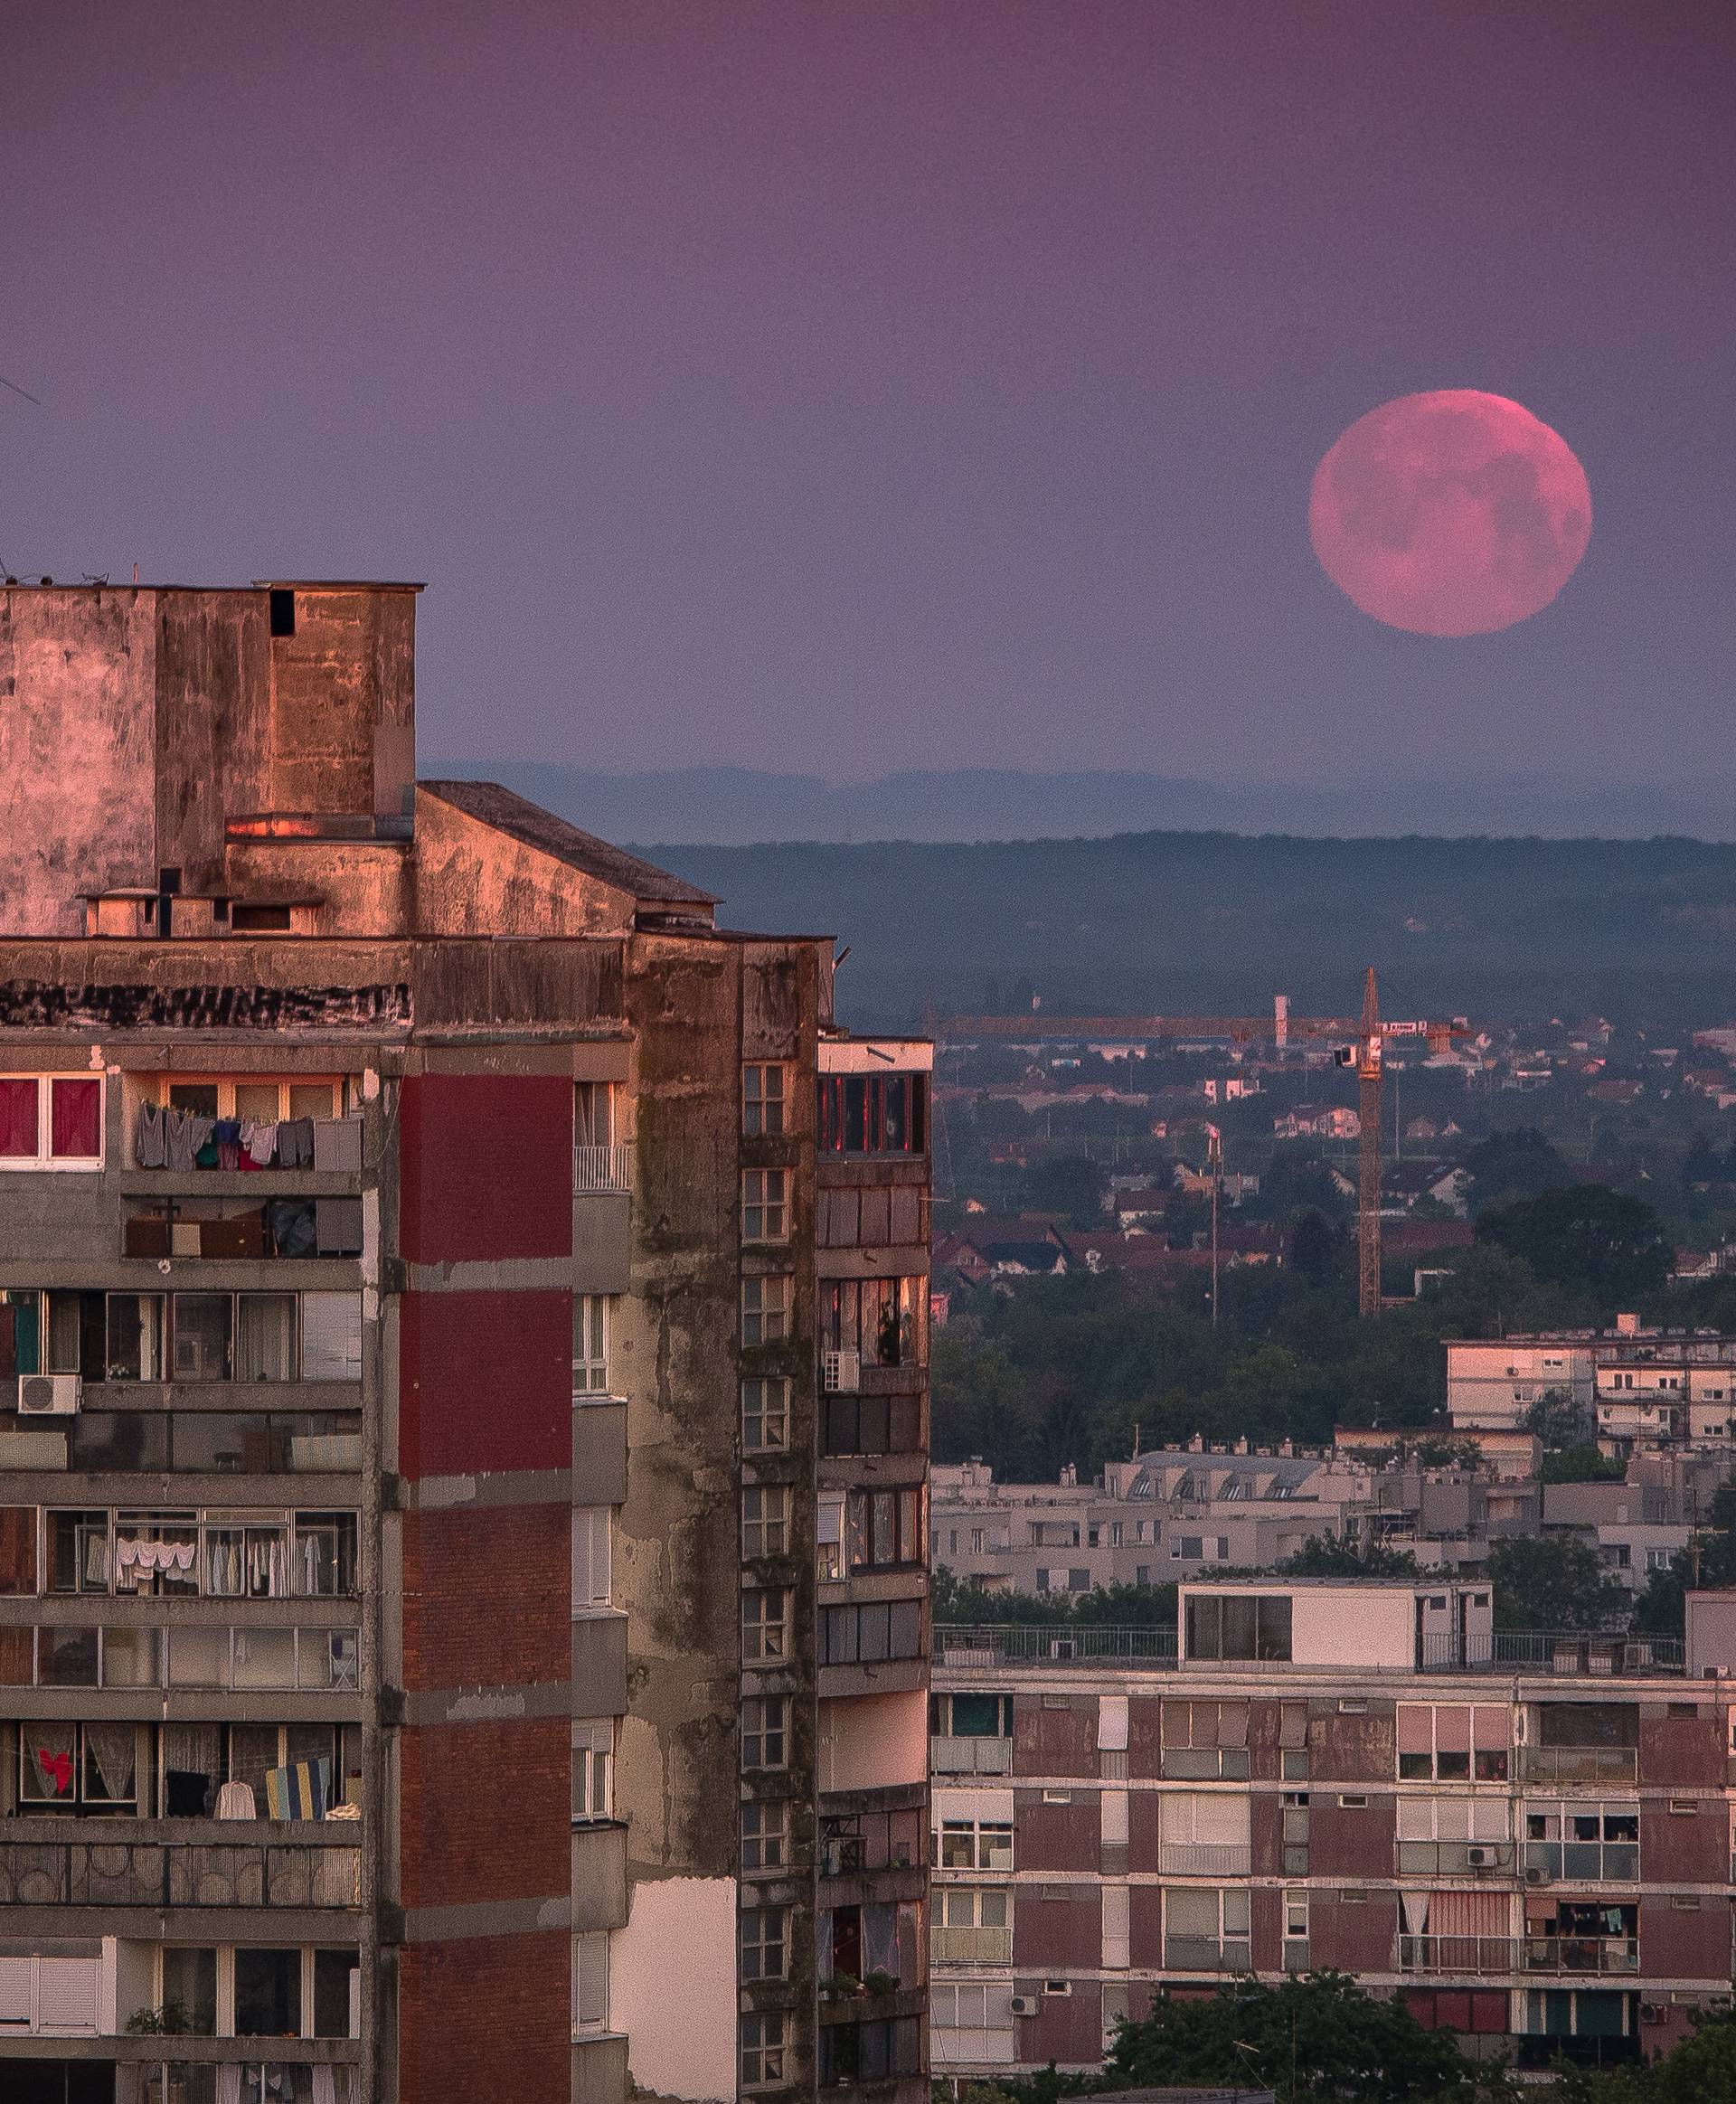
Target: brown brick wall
(1690, 1943)
(489, 2017)
(1142, 1830)
(1144, 1735)
(459, 1568)
(1063, 1837)
(487, 1811)
(1346, 1842)
(1359, 1747)
(1684, 1752)
(1065, 1930)
(1145, 1926)
(1352, 1935)
(1066, 2027)
(1684, 1847)
(1053, 1741)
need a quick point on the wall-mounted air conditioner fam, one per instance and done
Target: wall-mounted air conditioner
(841, 1372)
(48, 1394)
(1025, 2004)
(1534, 1876)
(1480, 1858)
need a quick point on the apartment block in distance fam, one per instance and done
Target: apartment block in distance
(463, 1417)
(1527, 1838)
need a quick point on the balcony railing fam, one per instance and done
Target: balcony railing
(1539, 1651)
(1200, 1953)
(607, 1168)
(1578, 1765)
(970, 1756)
(971, 1946)
(995, 1644)
(1455, 1859)
(83, 1873)
(1494, 1957)
(187, 1656)
(1204, 1859)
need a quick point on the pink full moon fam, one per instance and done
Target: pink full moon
(1450, 513)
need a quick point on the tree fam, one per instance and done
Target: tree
(1317, 2037)
(1585, 1236)
(1069, 1184)
(1314, 1247)
(1556, 1420)
(1517, 1163)
(1554, 1582)
(1322, 1557)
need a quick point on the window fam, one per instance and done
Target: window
(268, 1994)
(765, 1520)
(190, 1978)
(78, 1767)
(1582, 1838)
(765, 1731)
(765, 1835)
(593, 1770)
(265, 1336)
(958, 1716)
(50, 1121)
(1452, 1743)
(203, 1336)
(137, 1326)
(1296, 1914)
(590, 1983)
(593, 1114)
(1205, 1741)
(885, 1320)
(883, 1530)
(1205, 1930)
(765, 1416)
(976, 1844)
(870, 1633)
(765, 1308)
(872, 1114)
(590, 1344)
(973, 2005)
(282, 615)
(762, 2049)
(969, 1907)
(765, 1625)
(591, 1556)
(1239, 1626)
(829, 1536)
(337, 1985)
(762, 1100)
(762, 1943)
(765, 1205)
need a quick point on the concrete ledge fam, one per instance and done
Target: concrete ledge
(459, 1923)
(426, 1708)
(599, 2070)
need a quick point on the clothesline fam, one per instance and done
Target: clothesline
(167, 1137)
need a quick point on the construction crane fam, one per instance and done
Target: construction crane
(1363, 1037)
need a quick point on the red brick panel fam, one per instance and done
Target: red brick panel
(1067, 2028)
(1684, 1943)
(1146, 1928)
(1266, 1833)
(460, 1567)
(1684, 1847)
(1054, 1739)
(1682, 1753)
(485, 1382)
(488, 2017)
(1142, 1830)
(1064, 1837)
(486, 1167)
(1144, 1735)
(1467, 2010)
(1352, 1935)
(1266, 1920)
(1056, 1926)
(487, 1811)
(1351, 1842)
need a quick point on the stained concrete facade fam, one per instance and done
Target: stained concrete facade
(578, 1494)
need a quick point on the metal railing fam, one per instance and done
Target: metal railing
(607, 1168)
(1486, 1956)
(1542, 1651)
(971, 1946)
(1579, 1766)
(970, 1756)
(995, 1644)
(1204, 1859)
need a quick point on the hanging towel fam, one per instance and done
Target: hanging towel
(299, 1791)
(178, 1148)
(228, 1136)
(150, 1143)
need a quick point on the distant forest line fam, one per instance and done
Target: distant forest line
(1643, 932)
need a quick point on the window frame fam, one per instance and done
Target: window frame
(764, 1836)
(593, 1772)
(763, 2043)
(589, 1946)
(44, 1158)
(765, 1108)
(765, 1624)
(760, 1410)
(766, 1316)
(592, 1324)
(765, 1734)
(593, 1558)
(765, 1205)
(765, 1521)
(762, 1944)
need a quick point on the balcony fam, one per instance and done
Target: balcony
(1201, 1954)
(971, 1946)
(970, 1756)
(1455, 1859)
(1498, 1957)
(1579, 1767)
(1536, 1651)
(189, 1655)
(602, 1168)
(243, 1869)
(1035, 1644)
(1204, 1859)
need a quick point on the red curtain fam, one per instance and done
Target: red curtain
(77, 1121)
(18, 1120)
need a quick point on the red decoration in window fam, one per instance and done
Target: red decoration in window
(18, 1120)
(77, 1121)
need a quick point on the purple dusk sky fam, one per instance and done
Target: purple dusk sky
(852, 385)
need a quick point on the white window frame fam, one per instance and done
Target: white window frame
(592, 1322)
(765, 1624)
(593, 1771)
(763, 2043)
(764, 1836)
(590, 1983)
(765, 1520)
(765, 1205)
(970, 1906)
(593, 1557)
(765, 1414)
(976, 1844)
(764, 1099)
(764, 1307)
(44, 1159)
(765, 1718)
(764, 1943)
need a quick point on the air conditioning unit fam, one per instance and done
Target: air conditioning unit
(1480, 1858)
(841, 1372)
(1534, 1876)
(1025, 2004)
(1653, 2012)
(48, 1394)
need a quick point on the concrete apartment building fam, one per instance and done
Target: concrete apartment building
(1527, 1838)
(1636, 1386)
(463, 1452)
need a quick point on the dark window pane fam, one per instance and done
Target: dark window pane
(190, 1978)
(268, 1994)
(332, 1970)
(118, 1439)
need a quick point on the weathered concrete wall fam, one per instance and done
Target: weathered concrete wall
(342, 686)
(78, 721)
(473, 880)
(213, 747)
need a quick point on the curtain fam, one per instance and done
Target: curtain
(1414, 1909)
(265, 1341)
(229, 2083)
(17, 1119)
(50, 1760)
(112, 1748)
(76, 1123)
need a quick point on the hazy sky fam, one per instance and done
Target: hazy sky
(858, 384)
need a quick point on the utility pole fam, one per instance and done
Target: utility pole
(1368, 1176)
(1214, 1162)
